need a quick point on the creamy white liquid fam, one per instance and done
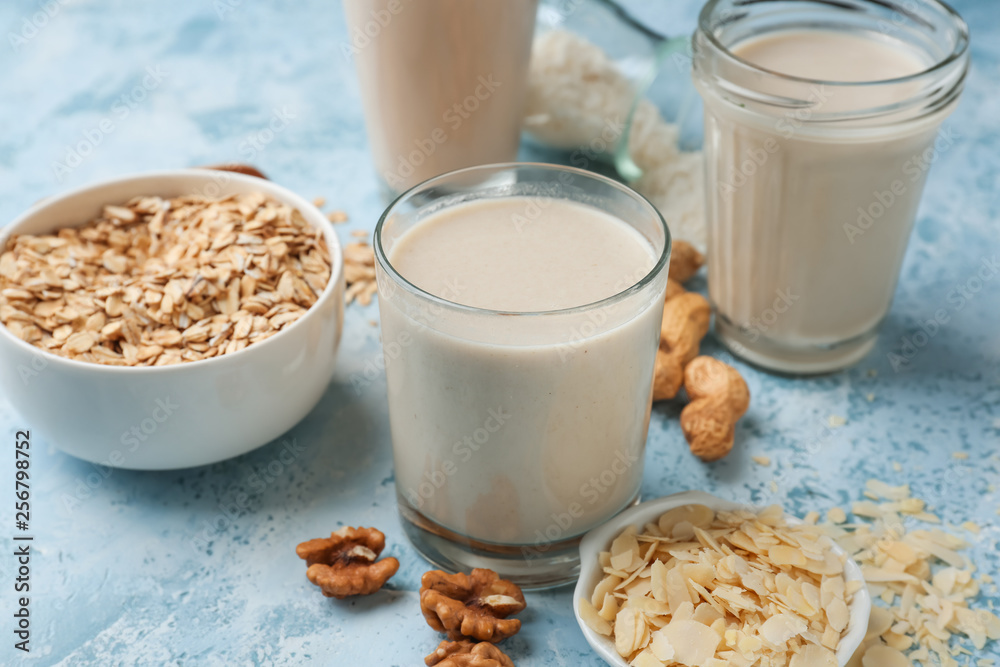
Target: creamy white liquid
(809, 54)
(530, 437)
(570, 255)
(442, 82)
(808, 227)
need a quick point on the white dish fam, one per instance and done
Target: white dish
(188, 414)
(600, 539)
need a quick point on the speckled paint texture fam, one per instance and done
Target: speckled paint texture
(198, 566)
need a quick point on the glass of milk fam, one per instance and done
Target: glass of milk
(442, 82)
(521, 307)
(822, 120)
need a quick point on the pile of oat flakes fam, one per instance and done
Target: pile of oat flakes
(160, 281)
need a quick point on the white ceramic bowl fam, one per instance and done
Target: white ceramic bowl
(186, 414)
(600, 539)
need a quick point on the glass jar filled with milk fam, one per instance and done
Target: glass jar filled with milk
(822, 119)
(521, 308)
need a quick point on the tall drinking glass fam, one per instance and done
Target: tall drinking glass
(442, 82)
(514, 433)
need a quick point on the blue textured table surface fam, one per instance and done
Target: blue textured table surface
(183, 568)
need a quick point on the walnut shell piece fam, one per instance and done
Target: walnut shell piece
(466, 653)
(719, 397)
(472, 606)
(346, 564)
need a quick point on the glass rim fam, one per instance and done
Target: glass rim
(956, 54)
(383, 260)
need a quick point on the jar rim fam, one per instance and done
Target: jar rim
(960, 50)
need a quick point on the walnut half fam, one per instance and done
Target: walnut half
(467, 653)
(474, 606)
(344, 564)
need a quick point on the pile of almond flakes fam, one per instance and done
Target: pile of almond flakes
(710, 589)
(162, 281)
(922, 580)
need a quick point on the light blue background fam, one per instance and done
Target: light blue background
(119, 577)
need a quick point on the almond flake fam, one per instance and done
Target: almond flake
(884, 656)
(592, 619)
(693, 643)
